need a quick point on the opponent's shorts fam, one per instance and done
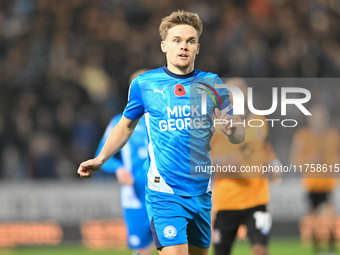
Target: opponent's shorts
(178, 220)
(138, 228)
(257, 220)
(318, 198)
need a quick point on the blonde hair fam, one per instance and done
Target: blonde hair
(180, 18)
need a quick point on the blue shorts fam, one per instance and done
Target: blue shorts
(178, 220)
(138, 228)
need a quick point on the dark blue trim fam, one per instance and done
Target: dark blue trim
(179, 76)
(154, 234)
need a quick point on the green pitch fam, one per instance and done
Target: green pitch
(277, 247)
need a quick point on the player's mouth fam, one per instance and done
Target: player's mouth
(183, 56)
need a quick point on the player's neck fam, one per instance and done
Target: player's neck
(178, 70)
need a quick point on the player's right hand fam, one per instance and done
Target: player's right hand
(87, 168)
(226, 128)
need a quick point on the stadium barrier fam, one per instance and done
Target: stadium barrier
(30, 233)
(88, 211)
(104, 233)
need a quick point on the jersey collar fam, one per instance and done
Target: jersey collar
(180, 76)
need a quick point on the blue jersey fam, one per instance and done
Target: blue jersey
(131, 157)
(179, 126)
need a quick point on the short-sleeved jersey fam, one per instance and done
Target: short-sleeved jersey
(311, 148)
(242, 192)
(179, 131)
(132, 157)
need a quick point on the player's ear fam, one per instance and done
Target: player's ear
(198, 49)
(163, 46)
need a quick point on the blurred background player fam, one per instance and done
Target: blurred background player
(318, 143)
(128, 167)
(239, 199)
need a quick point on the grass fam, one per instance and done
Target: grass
(63, 249)
(277, 247)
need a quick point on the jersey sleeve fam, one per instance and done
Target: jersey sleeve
(135, 106)
(113, 164)
(226, 106)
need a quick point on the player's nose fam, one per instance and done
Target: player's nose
(184, 46)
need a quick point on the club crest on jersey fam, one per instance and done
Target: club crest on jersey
(179, 90)
(170, 231)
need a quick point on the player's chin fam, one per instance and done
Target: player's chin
(183, 64)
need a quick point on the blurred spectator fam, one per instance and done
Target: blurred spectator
(52, 50)
(13, 165)
(41, 160)
(85, 133)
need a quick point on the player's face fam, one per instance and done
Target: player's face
(181, 47)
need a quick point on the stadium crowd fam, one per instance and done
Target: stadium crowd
(65, 65)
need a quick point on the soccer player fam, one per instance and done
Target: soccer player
(128, 167)
(179, 133)
(241, 199)
(318, 144)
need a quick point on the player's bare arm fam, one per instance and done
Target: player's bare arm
(118, 137)
(235, 133)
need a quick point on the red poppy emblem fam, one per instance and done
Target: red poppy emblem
(179, 90)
